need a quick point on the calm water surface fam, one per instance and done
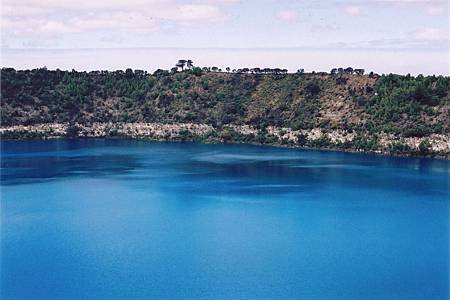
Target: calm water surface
(118, 219)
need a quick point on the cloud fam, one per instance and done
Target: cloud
(55, 5)
(193, 13)
(218, 2)
(23, 11)
(53, 27)
(52, 17)
(324, 28)
(434, 10)
(411, 1)
(431, 7)
(287, 15)
(126, 22)
(432, 34)
(353, 10)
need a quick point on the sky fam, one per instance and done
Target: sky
(402, 36)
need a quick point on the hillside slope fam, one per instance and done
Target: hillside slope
(389, 113)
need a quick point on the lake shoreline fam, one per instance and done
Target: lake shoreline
(313, 139)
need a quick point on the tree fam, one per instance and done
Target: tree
(256, 70)
(160, 73)
(196, 71)
(302, 139)
(422, 94)
(189, 64)
(341, 80)
(228, 69)
(425, 147)
(181, 63)
(313, 88)
(72, 130)
(442, 87)
(129, 73)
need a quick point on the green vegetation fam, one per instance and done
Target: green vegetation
(410, 106)
(425, 147)
(405, 106)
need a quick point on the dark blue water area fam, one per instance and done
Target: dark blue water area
(122, 219)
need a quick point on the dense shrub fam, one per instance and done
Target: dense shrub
(406, 106)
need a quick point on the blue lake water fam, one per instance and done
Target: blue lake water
(120, 219)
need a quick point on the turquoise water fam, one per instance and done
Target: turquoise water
(119, 219)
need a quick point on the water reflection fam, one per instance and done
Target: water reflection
(194, 168)
(33, 169)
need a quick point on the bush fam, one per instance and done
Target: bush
(399, 148)
(197, 71)
(72, 130)
(313, 88)
(417, 131)
(425, 147)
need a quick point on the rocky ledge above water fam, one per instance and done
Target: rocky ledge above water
(435, 145)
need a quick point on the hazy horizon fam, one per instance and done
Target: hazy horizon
(399, 61)
(384, 36)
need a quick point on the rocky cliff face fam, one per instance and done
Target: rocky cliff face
(435, 145)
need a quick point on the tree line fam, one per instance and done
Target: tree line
(188, 64)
